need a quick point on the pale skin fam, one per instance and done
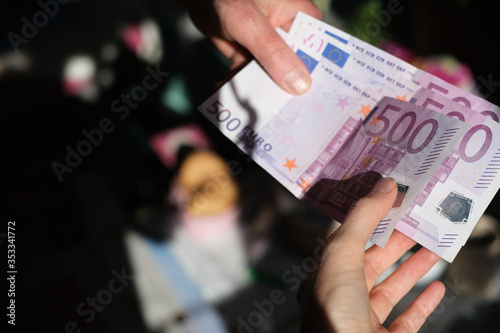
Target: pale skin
(241, 29)
(341, 297)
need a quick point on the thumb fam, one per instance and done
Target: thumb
(368, 212)
(286, 69)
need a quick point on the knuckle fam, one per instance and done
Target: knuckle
(273, 51)
(406, 325)
(386, 296)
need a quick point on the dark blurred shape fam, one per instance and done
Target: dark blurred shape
(465, 29)
(338, 196)
(70, 232)
(345, 9)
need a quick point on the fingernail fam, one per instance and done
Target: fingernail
(385, 185)
(297, 81)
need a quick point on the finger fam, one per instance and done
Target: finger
(343, 256)
(385, 295)
(341, 272)
(367, 213)
(228, 49)
(287, 12)
(234, 52)
(287, 25)
(258, 36)
(378, 260)
(239, 59)
(414, 317)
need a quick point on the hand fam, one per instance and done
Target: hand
(236, 27)
(341, 297)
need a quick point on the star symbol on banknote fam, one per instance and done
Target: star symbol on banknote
(366, 162)
(374, 121)
(365, 110)
(342, 103)
(376, 140)
(318, 107)
(402, 98)
(288, 141)
(305, 184)
(290, 164)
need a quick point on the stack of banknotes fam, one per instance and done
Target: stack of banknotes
(368, 115)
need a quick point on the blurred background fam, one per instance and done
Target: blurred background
(134, 214)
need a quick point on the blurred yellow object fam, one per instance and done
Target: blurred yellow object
(208, 183)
